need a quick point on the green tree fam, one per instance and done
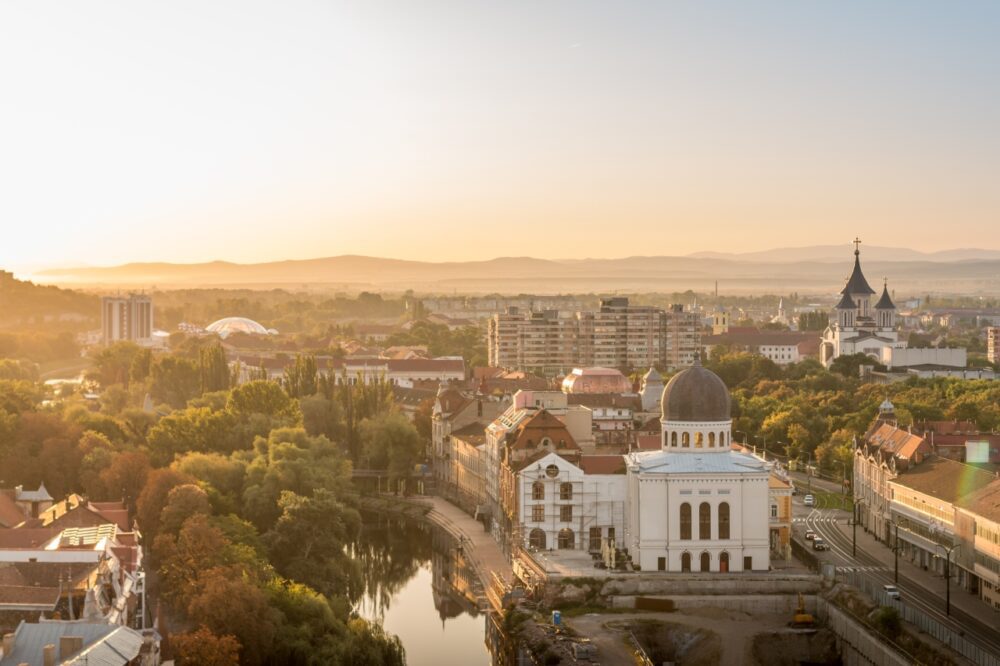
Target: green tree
(391, 442)
(174, 380)
(308, 541)
(266, 398)
(214, 369)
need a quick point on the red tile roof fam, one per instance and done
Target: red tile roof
(649, 442)
(27, 537)
(602, 464)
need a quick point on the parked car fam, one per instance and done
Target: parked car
(819, 544)
(810, 535)
(891, 591)
(809, 500)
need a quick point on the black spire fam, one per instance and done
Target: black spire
(857, 284)
(885, 303)
(846, 303)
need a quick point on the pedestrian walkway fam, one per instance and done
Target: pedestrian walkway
(933, 583)
(846, 569)
(478, 544)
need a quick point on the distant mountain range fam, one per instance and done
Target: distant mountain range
(817, 269)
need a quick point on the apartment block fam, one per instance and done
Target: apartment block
(617, 335)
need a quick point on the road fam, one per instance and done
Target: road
(824, 521)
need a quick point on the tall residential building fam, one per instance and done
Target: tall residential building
(127, 318)
(617, 335)
(993, 344)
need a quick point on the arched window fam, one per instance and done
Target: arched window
(538, 490)
(724, 520)
(685, 521)
(685, 440)
(705, 521)
(686, 562)
(699, 440)
(673, 439)
(706, 562)
(724, 562)
(722, 438)
(537, 539)
(711, 440)
(566, 540)
(565, 491)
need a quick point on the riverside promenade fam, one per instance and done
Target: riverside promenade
(480, 548)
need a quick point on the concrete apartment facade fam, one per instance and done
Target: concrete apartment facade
(617, 335)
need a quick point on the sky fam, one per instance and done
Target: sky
(253, 131)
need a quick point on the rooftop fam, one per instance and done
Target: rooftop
(719, 462)
(944, 479)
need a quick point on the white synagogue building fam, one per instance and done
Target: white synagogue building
(696, 504)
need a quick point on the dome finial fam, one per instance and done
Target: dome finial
(857, 246)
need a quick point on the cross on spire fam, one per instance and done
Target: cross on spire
(857, 246)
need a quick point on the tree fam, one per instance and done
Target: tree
(141, 365)
(322, 416)
(204, 648)
(391, 442)
(126, 477)
(112, 365)
(300, 378)
(849, 365)
(193, 429)
(159, 483)
(289, 459)
(813, 321)
(234, 606)
(214, 369)
(264, 397)
(183, 501)
(174, 380)
(307, 543)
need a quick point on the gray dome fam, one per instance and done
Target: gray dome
(696, 394)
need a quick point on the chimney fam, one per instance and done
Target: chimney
(69, 645)
(8, 644)
(49, 655)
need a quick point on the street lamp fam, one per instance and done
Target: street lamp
(895, 552)
(947, 576)
(764, 438)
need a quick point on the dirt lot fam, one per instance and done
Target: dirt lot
(714, 636)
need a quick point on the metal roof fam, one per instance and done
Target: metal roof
(719, 462)
(29, 639)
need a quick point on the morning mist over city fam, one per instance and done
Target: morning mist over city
(469, 333)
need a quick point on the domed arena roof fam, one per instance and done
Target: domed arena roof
(224, 327)
(596, 380)
(696, 394)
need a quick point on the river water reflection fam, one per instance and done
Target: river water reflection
(419, 585)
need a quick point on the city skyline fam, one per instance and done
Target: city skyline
(379, 129)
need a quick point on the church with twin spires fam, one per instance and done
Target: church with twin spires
(860, 327)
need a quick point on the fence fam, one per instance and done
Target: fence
(922, 621)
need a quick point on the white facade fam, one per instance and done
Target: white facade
(698, 509)
(562, 507)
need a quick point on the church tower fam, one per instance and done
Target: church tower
(858, 290)
(885, 309)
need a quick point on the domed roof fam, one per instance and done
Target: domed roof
(224, 327)
(696, 394)
(596, 380)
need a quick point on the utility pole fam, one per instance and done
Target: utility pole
(854, 529)
(947, 577)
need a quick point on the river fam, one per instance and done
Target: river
(420, 587)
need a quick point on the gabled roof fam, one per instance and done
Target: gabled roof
(10, 513)
(857, 284)
(25, 537)
(896, 442)
(543, 424)
(40, 495)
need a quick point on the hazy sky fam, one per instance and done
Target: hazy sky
(189, 131)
